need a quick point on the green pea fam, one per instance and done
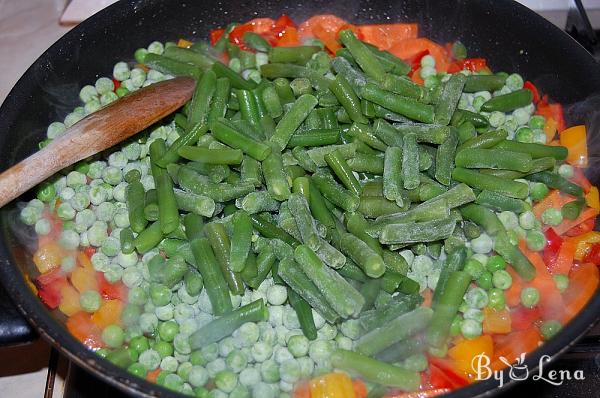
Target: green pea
(168, 330)
(137, 369)
(113, 336)
(539, 191)
(552, 216)
(46, 192)
(139, 343)
(474, 268)
(495, 263)
(549, 328)
(163, 348)
(160, 294)
(90, 301)
(497, 300)
(561, 281)
(501, 279)
(485, 280)
(530, 297)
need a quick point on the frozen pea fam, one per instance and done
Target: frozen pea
(482, 244)
(282, 354)
(478, 101)
(298, 345)
(198, 376)
(113, 273)
(69, 239)
(112, 175)
(521, 116)
(550, 328)
(156, 47)
(496, 119)
(72, 118)
(276, 315)
(92, 106)
(320, 350)
(226, 346)
(250, 377)
(290, 371)
(236, 361)
(247, 334)
(88, 93)
(164, 313)
(100, 261)
(216, 366)
(42, 226)
(508, 219)
(269, 371)
(132, 150)
(530, 297)
(29, 215)
(105, 211)
(148, 182)
(98, 195)
(132, 277)
(150, 359)
(104, 85)
(182, 344)
(169, 364)
(476, 298)
(127, 260)
(155, 75)
(80, 201)
(351, 329)
(121, 71)
(427, 71)
(65, 211)
(110, 246)
(120, 192)
(261, 351)
(539, 136)
(471, 329)
(524, 134)
(67, 193)
(84, 219)
(90, 301)
(408, 256)
(117, 159)
(501, 279)
(514, 82)
(55, 129)
(552, 216)
(138, 77)
(121, 218)
(290, 319)
(565, 170)
(277, 295)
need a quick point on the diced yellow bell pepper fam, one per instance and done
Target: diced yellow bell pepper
(592, 198)
(69, 303)
(465, 351)
(550, 129)
(183, 43)
(332, 385)
(584, 243)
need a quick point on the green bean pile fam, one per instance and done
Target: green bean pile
(293, 210)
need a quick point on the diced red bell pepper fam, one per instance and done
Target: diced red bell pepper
(215, 35)
(594, 254)
(111, 291)
(523, 318)
(116, 83)
(554, 111)
(443, 375)
(553, 243)
(49, 285)
(531, 87)
(471, 64)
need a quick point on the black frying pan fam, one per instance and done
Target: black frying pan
(510, 36)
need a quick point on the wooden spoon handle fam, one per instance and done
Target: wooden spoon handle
(97, 132)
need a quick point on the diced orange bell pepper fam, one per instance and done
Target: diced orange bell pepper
(583, 282)
(360, 389)
(152, 375)
(496, 322)
(109, 313)
(328, 22)
(302, 390)
(84, 279)
(289, 38)
(329, 38)
(332, 385)
(553, 200)
(48, 256)
(80, 325)
(69, 303)
(592, 198)
(464, 352)
(575, 139)
(262, 25)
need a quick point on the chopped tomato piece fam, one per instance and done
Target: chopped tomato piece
(553, 242)
(111, 290)
(406, 49)
(289, 38)
(385, 36)
(83, 329)
(328, 37)
(523, 318)
(49, 287)
(262, 25)
(282, 24)
(215, 35)
(327, 22)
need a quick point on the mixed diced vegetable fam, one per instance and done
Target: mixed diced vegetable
(340, 211)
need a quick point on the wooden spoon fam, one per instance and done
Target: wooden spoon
(97, 132)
